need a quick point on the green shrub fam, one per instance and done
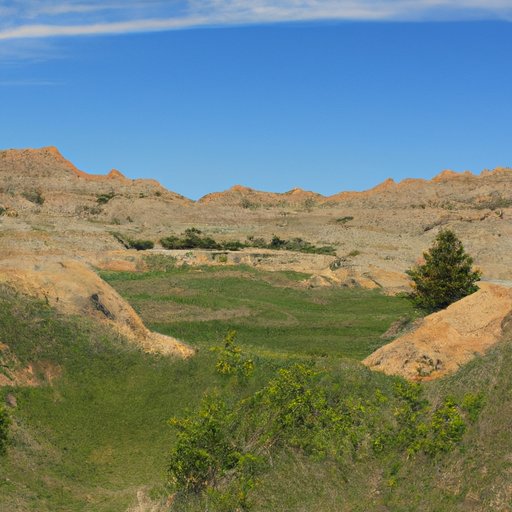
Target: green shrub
(446, 428)
(204, 451)
(229, 442)
(446, 276)
(130, 243)
(34, 196)
(234, 245)
(159, 262)
(170, 242)
(192, 238)
(140, 245)
(105, 198)
(344, 220)
(472, 404)
(276, 243)
(231, 361)
(5, 422)
(299, 245)
(259, 243)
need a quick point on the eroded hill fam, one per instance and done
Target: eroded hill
(49, 206)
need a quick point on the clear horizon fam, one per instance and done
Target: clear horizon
(326, 96)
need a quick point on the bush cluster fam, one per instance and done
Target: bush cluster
(105, 198)
(131, 243)
(299, 245)
(231, 361)
(140, 245)
(34, 196)
(224, 447)
(193, 238)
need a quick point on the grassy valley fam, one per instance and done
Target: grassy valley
(95, 432)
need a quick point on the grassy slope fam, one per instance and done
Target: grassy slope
(474, 477)
(98, 433)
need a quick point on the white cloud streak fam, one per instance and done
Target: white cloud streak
(26, 19)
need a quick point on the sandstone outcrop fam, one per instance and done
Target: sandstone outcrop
(446, 340)
(73, 288)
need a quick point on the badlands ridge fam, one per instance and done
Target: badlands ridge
(57, 224)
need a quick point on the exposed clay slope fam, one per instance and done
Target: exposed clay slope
(73, 288)
(448, 339)
(386, 228)
(448, 185)
(46, 169)
(460, 189)
(14, 374)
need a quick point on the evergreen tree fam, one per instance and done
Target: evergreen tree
(446, 276)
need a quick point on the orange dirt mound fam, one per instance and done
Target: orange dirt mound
(73, 288)
(448, 339)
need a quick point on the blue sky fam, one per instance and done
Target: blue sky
(322, 94)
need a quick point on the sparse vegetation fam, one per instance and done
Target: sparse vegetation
(495, 201)
(248, 204)
(446, 276)
(34, 196)
(344, 220)
(306, 414)
(131, 243)
(88, 210)
(159, 262)
(353, 253)
(105, 198)
(5, 422)
(140, 245)
(309, 204)
(193, 238)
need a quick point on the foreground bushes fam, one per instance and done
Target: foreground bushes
(228, 444)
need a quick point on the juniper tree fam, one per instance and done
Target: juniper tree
(446, 276)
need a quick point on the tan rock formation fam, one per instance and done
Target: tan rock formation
(448, 339)
(73, 288)
(246, 197)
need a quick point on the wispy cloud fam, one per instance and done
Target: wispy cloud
(23, 19)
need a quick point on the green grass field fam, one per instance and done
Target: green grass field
(98, 434)
(273, 315)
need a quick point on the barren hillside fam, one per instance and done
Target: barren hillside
(51, 207)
